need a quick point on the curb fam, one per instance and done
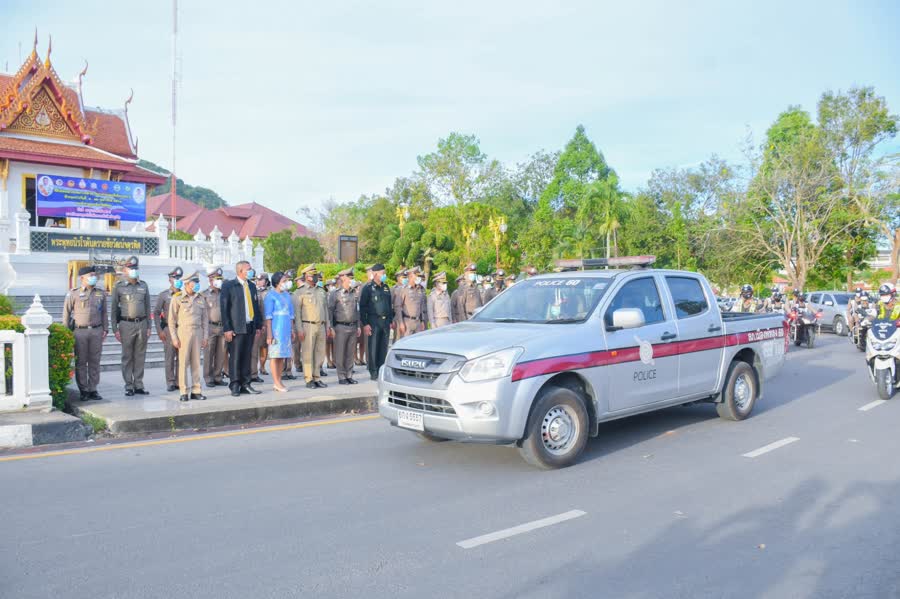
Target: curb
(29, 428)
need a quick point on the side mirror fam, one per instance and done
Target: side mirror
(829, 303)
(627, 318)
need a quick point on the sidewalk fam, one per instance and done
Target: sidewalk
(162, 411)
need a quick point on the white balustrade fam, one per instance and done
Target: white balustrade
(30, 361)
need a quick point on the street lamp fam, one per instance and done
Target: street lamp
(498, 228)
(403, 215)
(470, 235)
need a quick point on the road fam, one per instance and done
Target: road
(672, 504)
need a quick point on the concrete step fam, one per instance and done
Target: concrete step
(34, 427)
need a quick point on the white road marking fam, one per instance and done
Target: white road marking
(520, 529)
(770, 447)
(872, 404)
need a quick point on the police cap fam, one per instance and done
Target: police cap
(131, 262)
(86, 270)
(176, 273)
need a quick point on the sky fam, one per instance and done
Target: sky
(289, 103)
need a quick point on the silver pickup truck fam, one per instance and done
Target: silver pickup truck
(548, 360)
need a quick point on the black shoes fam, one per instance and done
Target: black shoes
(95, 396)
(171, 388)
(141, 392)
(197, 396)
(374, 376)
(256, 379)
(344, 382)
(288, 377)
(312, 385)
(129, 393)
(320, 384)
(353, 381)
(84, 396)
(235, 394)
(183, 398)
(322, 372)
(249, 390)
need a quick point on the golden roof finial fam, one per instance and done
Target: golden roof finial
(49, 50)
(34, 47)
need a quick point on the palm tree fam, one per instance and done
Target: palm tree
(602, 205)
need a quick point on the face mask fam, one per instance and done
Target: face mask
(217, 283)
(884, 298)
(319, 284)
(178, 284)
(383, 278)
(404, 281)
(92, 280)
(133, 273)
(487, 285)
(471, 276)
(554, 311)
(251, 273)
(288, 284)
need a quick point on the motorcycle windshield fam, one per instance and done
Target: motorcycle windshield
(883, 329)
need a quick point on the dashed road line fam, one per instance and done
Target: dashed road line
(520, 529)
(770, 447)
(872, 404)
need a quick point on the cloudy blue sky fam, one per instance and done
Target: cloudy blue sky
(291, 102)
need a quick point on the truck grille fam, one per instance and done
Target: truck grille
(429, 405)
(416, 374)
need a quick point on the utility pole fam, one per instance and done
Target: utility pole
(174, 188)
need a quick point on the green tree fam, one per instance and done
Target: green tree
(579, 165)
(458, 172)
(202, 196)
(287, 250)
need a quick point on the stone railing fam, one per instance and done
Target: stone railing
(30, 386)
(214, 250)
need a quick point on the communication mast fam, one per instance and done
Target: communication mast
(175, 78)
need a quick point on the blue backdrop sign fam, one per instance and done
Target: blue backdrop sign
(77, 197)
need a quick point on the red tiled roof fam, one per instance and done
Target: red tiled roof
(247, 220)
(21, 149)
(162, 204)
(111, 133)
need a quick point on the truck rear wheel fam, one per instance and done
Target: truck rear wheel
(557, 429)
(740, 392)
(839, 327)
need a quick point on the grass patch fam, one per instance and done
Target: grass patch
(97, 423)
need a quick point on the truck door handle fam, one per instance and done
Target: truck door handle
(714, 328)
(668, 336)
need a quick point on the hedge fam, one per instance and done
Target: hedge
(61, 355)
(6, 305)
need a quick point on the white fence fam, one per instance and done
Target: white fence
(30, 385)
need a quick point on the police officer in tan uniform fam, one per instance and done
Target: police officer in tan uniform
(311, 321)
(440, 313)
(260, 342)
(214, 355)
(401, 280)
(343, 312)
(469, 298)
(130, 311)
(161, 314)
(84, 312)
(413, 307)
(189, 327)
(455, 311)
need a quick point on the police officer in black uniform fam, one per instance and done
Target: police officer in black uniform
(376, 312)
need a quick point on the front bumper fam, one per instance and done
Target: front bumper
(465, 421)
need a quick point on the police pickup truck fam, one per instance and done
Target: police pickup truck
(549, 359)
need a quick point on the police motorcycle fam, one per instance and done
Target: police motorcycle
(776, 301)
(859, 333)
(804, 324)
(883, 345)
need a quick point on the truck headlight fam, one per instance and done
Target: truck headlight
(491, 366)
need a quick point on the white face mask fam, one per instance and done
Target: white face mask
(288, 284)
(133, 273)
(885, 299)
(217, 283)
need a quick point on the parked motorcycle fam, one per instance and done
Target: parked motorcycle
(859, 333)
(804, 326)
(883, 355)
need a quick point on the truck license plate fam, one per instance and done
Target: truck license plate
(410, 420)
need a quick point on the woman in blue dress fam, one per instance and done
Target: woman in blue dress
(279, 326)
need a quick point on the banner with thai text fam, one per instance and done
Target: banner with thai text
(78, 197)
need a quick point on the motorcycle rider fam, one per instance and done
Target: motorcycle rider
(794, 298)
(888, 306)
(853, 309)
(747, 303)
(776, 302)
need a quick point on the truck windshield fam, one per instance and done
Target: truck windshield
(552, 301)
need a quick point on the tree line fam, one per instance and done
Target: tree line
(813, 200)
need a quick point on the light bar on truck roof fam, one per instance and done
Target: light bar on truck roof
(589, 263)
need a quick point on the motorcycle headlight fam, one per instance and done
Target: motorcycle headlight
(886, 346)
(491, 366)
(876, 345)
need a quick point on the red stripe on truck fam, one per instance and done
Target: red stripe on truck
(533, 368)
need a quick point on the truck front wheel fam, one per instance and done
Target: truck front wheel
(740, 392)
(557, 429)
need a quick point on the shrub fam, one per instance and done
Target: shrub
(6, 305)
(61, 353)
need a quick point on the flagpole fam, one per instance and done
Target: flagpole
(174, 187)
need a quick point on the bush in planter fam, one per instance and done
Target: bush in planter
(6, 305)
(61, 353)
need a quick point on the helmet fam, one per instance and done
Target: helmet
(747, 291)
(776, 295)
(801, 296)
(797, 292)
(887, 290)
(859, 291)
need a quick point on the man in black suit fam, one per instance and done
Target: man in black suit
(241, 322)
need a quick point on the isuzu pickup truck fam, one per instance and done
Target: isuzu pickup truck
(549, 359)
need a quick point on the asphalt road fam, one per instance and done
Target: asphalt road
(662, 505)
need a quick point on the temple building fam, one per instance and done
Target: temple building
(72, 193)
